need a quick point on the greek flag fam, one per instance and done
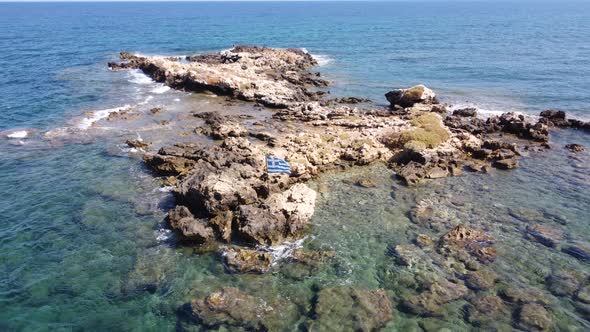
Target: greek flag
(276, 165)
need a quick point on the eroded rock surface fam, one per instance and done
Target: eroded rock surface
(270, 76)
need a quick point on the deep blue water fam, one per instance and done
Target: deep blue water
(521, 55)
(75, 219)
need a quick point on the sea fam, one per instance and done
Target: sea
(83, 242)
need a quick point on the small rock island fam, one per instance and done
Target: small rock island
(227, 202)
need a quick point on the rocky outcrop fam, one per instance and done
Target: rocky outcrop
(221, 127)
(409, 97)
(181, 219)
(559, 119)
(270, 76)
(465, 112)
(281, 216)
(575, 147)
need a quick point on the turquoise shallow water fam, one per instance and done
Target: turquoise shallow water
(79, 247)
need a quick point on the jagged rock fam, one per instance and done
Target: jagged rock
(462, 234)
(182, 219)
(411, 96)
(138, 144)
(519, 125)
(279, 217)
(232, 307)
(472, 241)
(472, 125)
(438, 108)
(553, 115)
(222, 127)
(351, 309)
(431, 302)
(509, 163)
(168, 165)
(547, 236)
(222, 223)
(578, 250)
(466, 112)
(534, 317)
(220, 191)
(242, 260)
(575, 147)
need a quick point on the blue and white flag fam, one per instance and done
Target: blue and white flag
(276, 165)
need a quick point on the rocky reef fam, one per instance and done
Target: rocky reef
(227, 202)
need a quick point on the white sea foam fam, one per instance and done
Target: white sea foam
(138, 77)
(159, 56)
(160, 89)
(18, 134)
(322, 59)
(483, 110)
(146, 100)
(166, 189)
(163, 234)
(284, 250)
(95, 116)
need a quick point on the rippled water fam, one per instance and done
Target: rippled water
(82, 245)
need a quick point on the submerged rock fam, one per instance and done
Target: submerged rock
(578, 250)
(481, 280)
(232, 307)
(244, 260)
(566, 283)
(487, 310)
(472, 241)
(547, 236)
(534, 317)
(431, 302)
(351, 309)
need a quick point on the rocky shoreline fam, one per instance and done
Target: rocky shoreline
(227, 203)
